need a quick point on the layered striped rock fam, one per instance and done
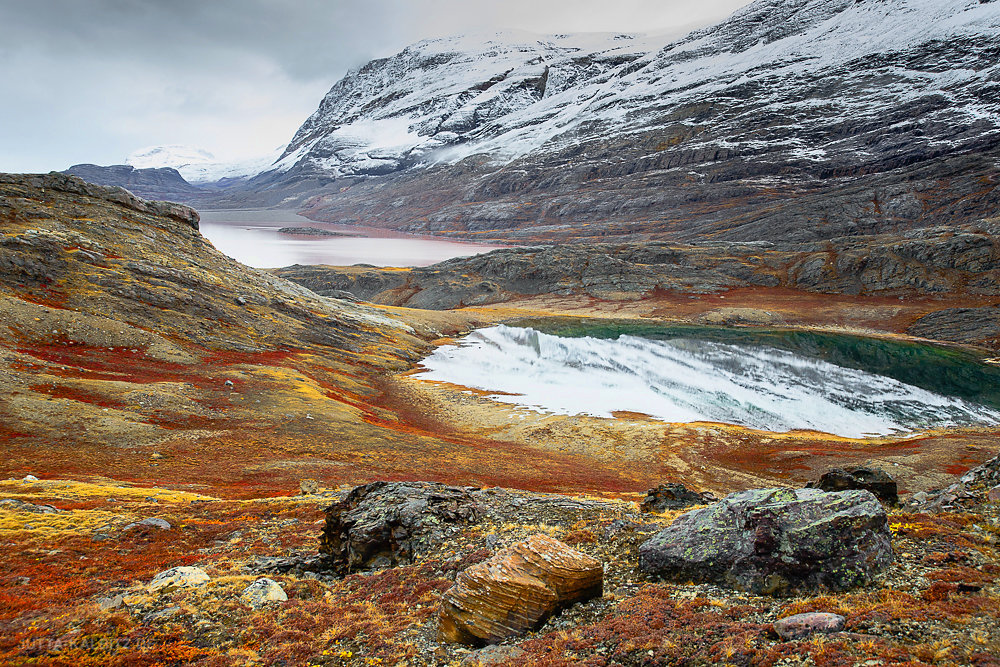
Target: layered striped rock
(517, 590)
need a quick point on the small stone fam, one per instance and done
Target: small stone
(308, 487)
(804, 625)
(29, 478)
(262, 591)
(156, 455)
(23, 581)
(993, 495)
(161, 615)
(21, 506)
(178, 577)
(228, 383)
(152, 522)
(107, 604)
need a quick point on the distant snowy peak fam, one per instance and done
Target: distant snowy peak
(508, 95)
(197, 165)
(174, 155)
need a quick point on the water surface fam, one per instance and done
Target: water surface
(251, 237)
(711, 374)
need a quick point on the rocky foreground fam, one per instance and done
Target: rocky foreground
(425, 574)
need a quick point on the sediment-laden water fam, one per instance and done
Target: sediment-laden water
(701, 376)
(252, 237)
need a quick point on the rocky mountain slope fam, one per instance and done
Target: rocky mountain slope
(798, 119)
(954, 265)
(164, 183)
(791, 120)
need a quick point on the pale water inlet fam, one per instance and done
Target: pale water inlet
(252, 237)
(690, 380)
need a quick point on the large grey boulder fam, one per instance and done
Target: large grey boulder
(385, 524)
(776, 541)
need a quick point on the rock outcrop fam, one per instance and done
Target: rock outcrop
(178, 577)
(383, 524)
(975, 487)
(864, 479)
(673, 497)
(517, 590)
(925, 261)
(151, 183)
(776, 541)
(977, 326)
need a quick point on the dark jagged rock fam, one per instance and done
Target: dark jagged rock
(776, 541)
(383, 524)
(977, 326)
(865, 479)
(673, 497)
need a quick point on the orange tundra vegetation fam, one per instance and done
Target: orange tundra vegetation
(143, 374)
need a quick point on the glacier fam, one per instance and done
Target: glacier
(690, 380)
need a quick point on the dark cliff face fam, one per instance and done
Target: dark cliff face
(163, 183)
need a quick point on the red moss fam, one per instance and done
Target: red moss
(961, 574)
(76, 394)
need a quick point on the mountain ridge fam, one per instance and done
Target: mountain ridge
(787, 104)
(790, 120)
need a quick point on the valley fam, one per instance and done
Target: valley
(603, 349)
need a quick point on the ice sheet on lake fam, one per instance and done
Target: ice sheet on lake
(685, 380)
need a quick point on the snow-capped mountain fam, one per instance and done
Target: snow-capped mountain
(807, 61)
(197, 165)
(437, 100)
(786, 97)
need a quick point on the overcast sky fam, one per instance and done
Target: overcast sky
(94, 80)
